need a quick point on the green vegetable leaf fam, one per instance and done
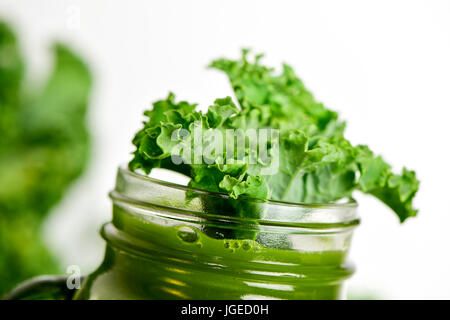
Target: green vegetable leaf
(395, 190)
(44, 148)
(314, 163)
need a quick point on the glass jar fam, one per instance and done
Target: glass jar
(168, 241)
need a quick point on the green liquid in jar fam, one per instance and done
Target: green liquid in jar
(146, 260)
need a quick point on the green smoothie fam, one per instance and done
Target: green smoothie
(146, 260)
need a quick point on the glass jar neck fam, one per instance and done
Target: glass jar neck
(179, 261)
(172, 242)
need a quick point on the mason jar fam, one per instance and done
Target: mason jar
(168, 241)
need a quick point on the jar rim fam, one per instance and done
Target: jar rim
(344, 203)
(150, 196)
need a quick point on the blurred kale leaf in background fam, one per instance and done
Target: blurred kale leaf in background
(44, 147)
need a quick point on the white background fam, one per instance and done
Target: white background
(384, 65)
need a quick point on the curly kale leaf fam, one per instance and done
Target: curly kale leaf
(291, 105)
(316, 164)
(43, 149)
